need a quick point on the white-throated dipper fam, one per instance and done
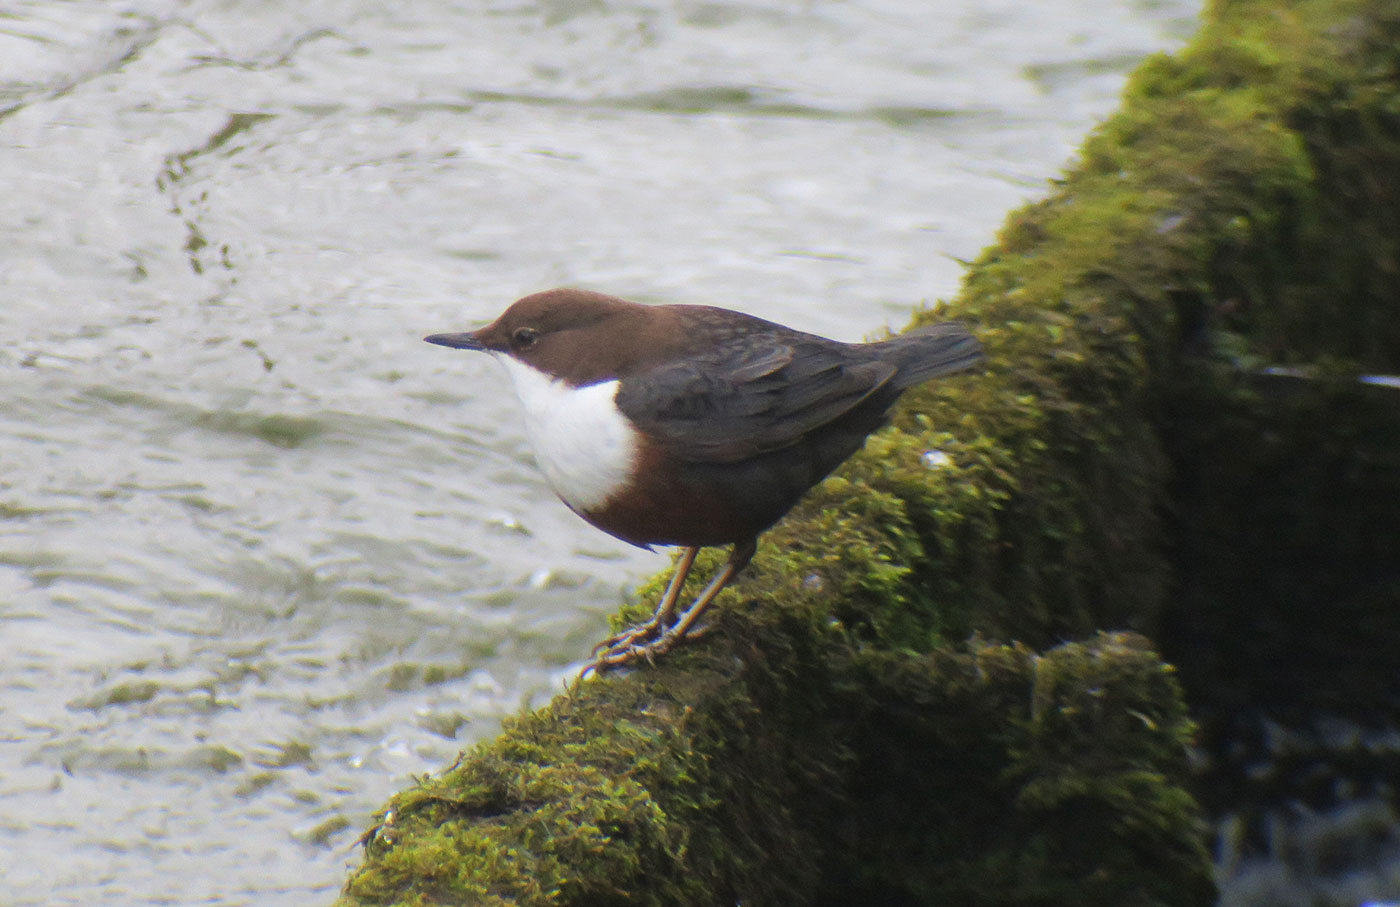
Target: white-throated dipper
(691, 425)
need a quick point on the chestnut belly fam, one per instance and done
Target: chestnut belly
(673, 501)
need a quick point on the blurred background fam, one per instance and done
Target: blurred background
(264, 555)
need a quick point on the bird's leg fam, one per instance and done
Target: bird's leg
(625, 652)
(661, 617)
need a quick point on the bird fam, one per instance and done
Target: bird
(692, 425)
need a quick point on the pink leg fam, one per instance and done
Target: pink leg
(628, 650)
(661, 617)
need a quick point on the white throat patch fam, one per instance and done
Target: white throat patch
(583, 444)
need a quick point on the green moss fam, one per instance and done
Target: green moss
(559, 808)
(1074, 755)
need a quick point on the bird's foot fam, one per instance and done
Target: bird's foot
(634, 646)
(662, 633)
(651, 629)
(643, 642)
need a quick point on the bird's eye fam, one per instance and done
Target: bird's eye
(524, 338)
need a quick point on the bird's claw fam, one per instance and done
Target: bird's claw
(627, 637)
(629, 651)
(699, 630)
(665, 630)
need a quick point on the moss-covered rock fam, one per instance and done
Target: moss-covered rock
(834, 739)
(796, 768)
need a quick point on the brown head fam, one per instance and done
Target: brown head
(577, 335)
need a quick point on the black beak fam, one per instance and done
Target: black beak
(465, 341)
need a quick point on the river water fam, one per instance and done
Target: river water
(264, 555)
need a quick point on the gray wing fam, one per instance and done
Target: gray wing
(748, 399)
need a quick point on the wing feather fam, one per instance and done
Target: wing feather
(744, 400)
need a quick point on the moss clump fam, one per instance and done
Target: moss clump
(834, 740)
(1074, 755)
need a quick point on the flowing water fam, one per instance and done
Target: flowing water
(264, 555)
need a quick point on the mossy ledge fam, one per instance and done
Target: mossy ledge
(836, 738)
(789, 770)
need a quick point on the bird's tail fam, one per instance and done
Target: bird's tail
(931, 351)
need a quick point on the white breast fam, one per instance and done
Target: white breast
(583, 444)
